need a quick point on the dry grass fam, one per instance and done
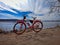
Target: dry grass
(49, 36)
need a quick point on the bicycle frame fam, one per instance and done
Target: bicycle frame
(26, 23)
(29, 26)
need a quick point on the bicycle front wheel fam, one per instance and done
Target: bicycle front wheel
(19, 28)
(37, 26)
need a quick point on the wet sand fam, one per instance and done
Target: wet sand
(50, 36)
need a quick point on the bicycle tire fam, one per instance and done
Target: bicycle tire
(36, 29)
(19, 32)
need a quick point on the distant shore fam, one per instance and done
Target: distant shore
(21, 19)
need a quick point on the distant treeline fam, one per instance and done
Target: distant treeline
(8, 19)
(17, 19)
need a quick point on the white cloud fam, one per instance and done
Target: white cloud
(26, 5)
(15, 4)
(5, 7)
(42, 11)
(8, 16)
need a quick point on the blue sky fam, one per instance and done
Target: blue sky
(16, 9)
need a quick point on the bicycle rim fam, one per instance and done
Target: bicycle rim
(37, 26)
(19, 28)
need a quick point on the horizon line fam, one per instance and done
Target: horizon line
(21, 19)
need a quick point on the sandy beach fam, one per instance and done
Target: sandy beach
(50, 36)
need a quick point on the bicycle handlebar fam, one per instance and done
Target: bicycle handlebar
(34, 18)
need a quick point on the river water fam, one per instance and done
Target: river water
(8, 25)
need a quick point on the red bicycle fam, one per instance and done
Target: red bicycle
(21, 25)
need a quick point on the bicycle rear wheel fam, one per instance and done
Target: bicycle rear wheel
(19, 28)
(37, 26)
